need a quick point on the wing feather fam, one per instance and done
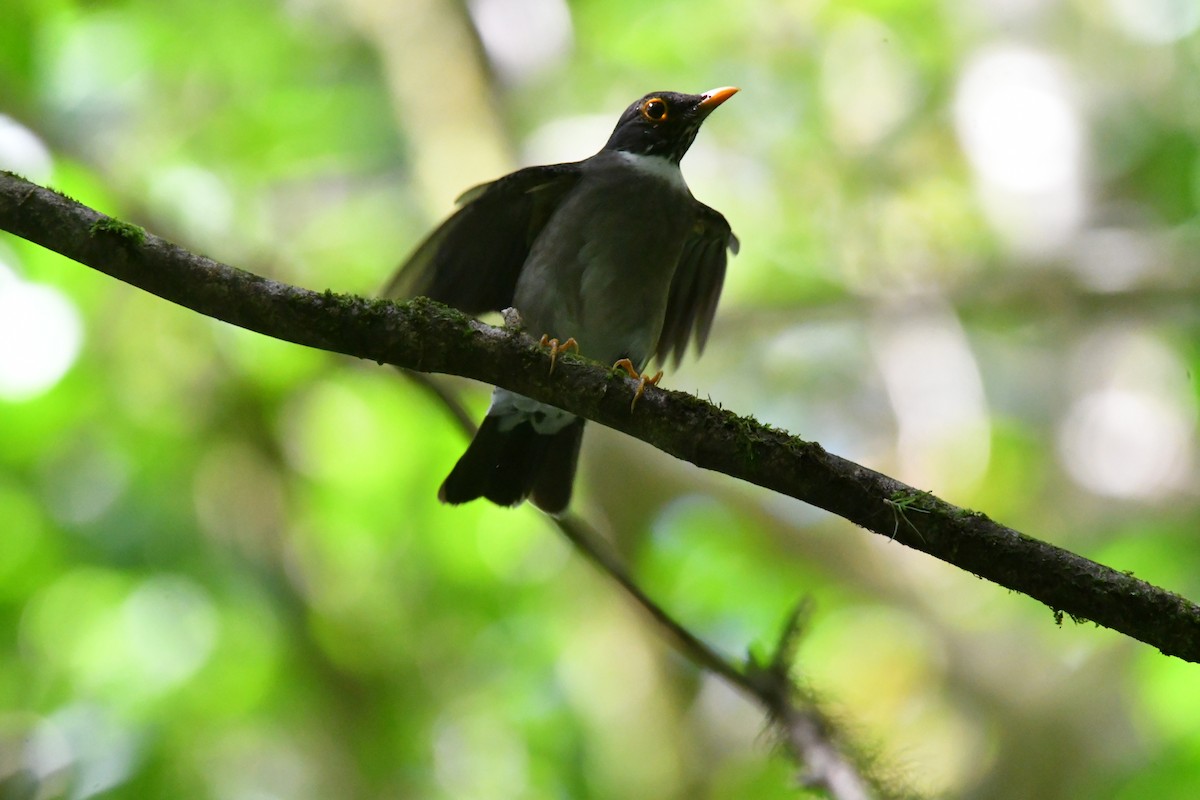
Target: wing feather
(473, 259)
(696, 286)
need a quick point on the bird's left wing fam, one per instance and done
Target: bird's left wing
(473, 259)
(696, 286)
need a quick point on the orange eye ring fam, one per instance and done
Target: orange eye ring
(654, 110)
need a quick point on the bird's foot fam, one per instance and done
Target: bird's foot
(643, 379)
(556, 347)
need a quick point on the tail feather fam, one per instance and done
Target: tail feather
(556, 477)
(507, 466)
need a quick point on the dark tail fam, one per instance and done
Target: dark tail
(507, 467)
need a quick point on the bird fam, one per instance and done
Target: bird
(611, 256)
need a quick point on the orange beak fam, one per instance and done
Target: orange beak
(714, 98)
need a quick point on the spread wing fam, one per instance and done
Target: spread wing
(472, 260)
(696, 287)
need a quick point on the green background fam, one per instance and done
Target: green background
(970, 236)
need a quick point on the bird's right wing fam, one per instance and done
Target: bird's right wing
(473, 259)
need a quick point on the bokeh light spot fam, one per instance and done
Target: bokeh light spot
(1020, 130)
(22, 152)
(1156, 21)
(40, 337)
(523, 37)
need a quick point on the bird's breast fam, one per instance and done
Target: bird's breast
(601, 269)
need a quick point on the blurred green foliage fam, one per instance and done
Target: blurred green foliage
(969, 260)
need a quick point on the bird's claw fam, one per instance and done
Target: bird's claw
(556, 347)
(643, 379)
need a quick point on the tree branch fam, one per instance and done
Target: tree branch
(427, 337)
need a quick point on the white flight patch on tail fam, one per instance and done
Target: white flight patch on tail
(660, 167)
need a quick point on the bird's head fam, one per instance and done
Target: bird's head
(665, 123)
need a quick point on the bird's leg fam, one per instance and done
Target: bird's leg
(643, 379)
(556, 348)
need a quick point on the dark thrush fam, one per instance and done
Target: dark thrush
(613, 252)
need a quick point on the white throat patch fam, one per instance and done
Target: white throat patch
(657, 166)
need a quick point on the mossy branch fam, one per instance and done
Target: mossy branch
(427, 337)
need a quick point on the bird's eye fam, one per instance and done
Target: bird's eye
(654, 110)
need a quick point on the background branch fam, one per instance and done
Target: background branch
(424, 336)
(801, 727)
